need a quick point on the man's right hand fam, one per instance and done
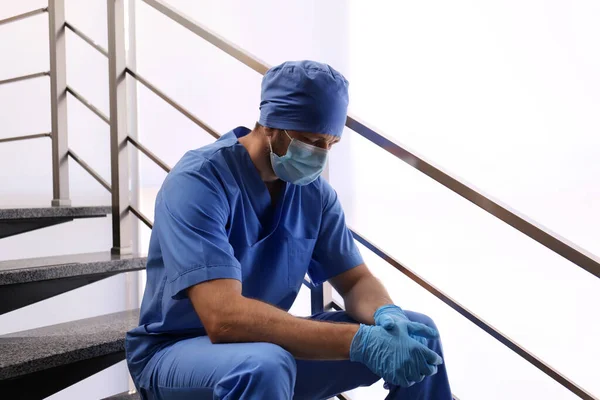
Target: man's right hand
(395, 355)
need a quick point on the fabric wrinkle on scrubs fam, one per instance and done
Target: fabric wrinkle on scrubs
(214, 220)
(195, 369)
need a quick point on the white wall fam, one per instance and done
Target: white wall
(26, 175)
(504, 95)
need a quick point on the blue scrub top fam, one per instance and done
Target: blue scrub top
(214, 219)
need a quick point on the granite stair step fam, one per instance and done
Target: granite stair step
(65, 266)
(26, 281)
(14, 221)
(124, 396)
(38, 362)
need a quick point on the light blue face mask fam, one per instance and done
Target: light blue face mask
(301, 164)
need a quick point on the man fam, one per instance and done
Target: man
(238, 225)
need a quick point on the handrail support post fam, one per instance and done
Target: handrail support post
(58, 98)
(320, 296)
(117, 60)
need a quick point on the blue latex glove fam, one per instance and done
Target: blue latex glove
(390, 315)
(393, 354)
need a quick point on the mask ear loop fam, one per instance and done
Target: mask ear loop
(271, 146)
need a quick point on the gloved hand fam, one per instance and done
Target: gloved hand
(390, 315)
(393, 354)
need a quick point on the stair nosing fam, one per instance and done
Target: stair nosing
(72, 344)
(50, 268)
(123, 396)
(20, 213)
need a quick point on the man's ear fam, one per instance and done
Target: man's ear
(269, 132)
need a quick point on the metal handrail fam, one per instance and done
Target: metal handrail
(149, 154)
(88, 104)
(134, 74)
(174, 104)
(131, 140)
(107, 186)
(501, 337)
(141, 216)
(213, 38)
(523, 224)
(24, 77)
(89, 170)
(520, 222)
(86, 38)
(333, 305)
(18, 17)
(25, 137)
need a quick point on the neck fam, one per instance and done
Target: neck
(254, 143)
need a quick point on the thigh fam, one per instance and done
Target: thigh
(324, 379)
(195, 368)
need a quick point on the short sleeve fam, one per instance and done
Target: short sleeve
(190, 219)
(335, 250)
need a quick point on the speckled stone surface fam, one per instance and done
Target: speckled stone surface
(124, 396)
(53, 212)
(38, 349)
(45, 268)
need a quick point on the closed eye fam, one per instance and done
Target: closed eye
(319, 141)
(310, 140)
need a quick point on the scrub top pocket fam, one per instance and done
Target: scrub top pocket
(300, 252)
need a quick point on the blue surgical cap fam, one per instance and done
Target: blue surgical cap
(304, 96)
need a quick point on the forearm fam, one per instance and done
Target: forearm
(248, 320)
(364, 298)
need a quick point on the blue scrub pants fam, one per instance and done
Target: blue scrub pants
(197, 369)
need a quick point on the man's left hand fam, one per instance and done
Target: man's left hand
(390, 315)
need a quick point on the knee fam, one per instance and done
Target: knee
(266, 369)
(271, 361)
(421, 318)
(368, 378)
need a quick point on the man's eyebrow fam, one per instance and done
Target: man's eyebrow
(325, 137)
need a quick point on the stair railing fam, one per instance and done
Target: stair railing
(118, 71)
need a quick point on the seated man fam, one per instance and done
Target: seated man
(238, 225)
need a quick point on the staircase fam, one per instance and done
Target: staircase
(37, 363)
